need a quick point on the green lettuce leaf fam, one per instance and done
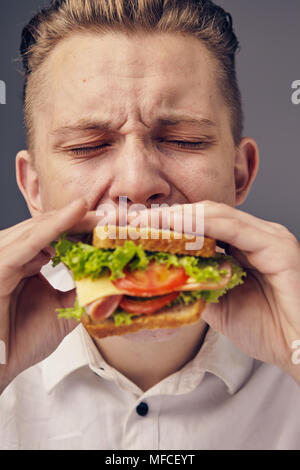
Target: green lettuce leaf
(122, 317)
(71, 312)
(235, 280)
(211, 296)
(88, 261)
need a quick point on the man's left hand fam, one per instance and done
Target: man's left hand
(262, 316)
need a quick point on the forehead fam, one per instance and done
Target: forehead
(116, 76)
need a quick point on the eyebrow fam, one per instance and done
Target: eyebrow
(83, 125)
(187, 120)
(106, 125)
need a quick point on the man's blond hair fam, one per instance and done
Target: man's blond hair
(199, 18)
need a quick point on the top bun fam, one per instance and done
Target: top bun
(111, 236)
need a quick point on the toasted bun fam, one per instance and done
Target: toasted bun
(173, 317)
(153, 240)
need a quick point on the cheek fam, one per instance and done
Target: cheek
(198, 180)
(62, 183)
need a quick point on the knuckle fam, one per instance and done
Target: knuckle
(284, 231)
(42, 218)
(224, 208)
(233, 227)
(236, 224)
(293, 240)
(279, 227)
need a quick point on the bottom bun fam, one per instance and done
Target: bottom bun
(173, 317)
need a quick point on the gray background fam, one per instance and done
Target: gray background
(268, 63)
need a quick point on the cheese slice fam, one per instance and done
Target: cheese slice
(89, 290)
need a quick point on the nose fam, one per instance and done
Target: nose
(138, 176)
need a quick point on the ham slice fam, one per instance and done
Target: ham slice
(103, 307)
(211, 285)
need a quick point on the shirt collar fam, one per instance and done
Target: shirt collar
(216, 356)
(220, 357)
(68, 357)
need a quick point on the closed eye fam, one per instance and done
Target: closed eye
(184, 144)
(81, 151)
(87, 150)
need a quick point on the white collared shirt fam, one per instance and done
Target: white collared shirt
(222, 399)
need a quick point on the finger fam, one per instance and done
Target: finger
(48, 251)
(42, 231)
(221, 210)
(91, 220)
(86, 224)
(223, 223)
(35, 265)
(11, 234)
(241, 257)
(15, 227)
(239, 234)
(21, 230)
(182, 212)
(180, 218)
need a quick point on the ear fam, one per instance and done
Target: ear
(245, 168)
(28, 182)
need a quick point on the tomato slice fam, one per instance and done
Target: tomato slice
(146, 306)
(157, 279)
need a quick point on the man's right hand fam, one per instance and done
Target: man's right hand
(29, 326)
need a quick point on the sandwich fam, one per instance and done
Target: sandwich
(147, 281)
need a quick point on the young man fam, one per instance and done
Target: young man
(139, 99)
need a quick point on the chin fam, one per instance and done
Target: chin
(157, 335)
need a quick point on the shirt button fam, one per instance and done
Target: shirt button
(142, 409)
